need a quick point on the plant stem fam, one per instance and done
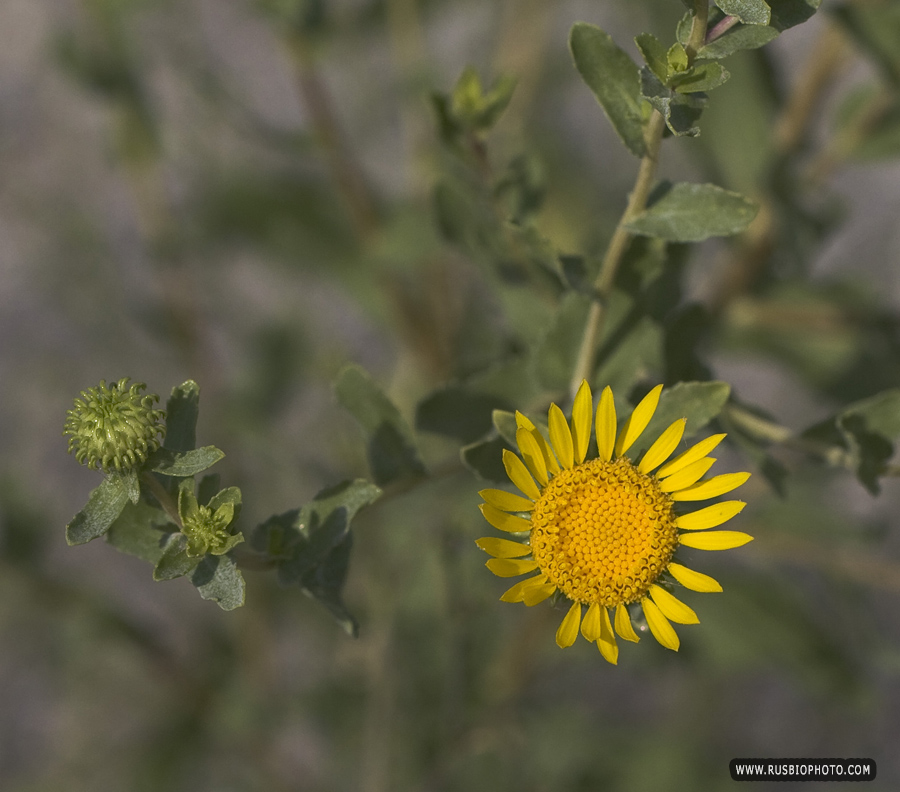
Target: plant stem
(698, 29)
(163, 497)
(637, 202)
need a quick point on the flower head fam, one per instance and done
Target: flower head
(603, 532)
(207, 527)
(113, 427)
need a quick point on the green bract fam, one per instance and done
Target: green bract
(113, 427)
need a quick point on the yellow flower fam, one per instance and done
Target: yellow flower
(603, 531)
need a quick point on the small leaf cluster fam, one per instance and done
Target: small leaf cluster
(160, 511)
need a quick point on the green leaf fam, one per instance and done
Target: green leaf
(692, 212)
(313, 531)
(506, 426)
(391, 446)
(784, 14)
(788, 13)
(326, 583)
(140, 530)
(182, 410)
(740, 37)
(132, 485)
(862, 436)
(699, 402)
(104, 505)
(654, 53)
(681, 111)
(485, 459)
(556, 354)
(348, 495)
(702, 77)
(751, 12)
(175, 561)
(184, 463)
(458, 412)
(218, 578)
(615, 81)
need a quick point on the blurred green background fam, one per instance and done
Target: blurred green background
(241, 193)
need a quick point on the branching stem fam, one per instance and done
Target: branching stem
(637, 202)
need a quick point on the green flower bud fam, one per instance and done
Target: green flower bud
(113, 427)
(206, 529)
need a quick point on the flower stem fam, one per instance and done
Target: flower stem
(637, 202)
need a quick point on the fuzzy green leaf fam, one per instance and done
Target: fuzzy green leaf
(391, 446)
(132, 485)
(319, 525)
(104, 505)
(326, 581)
(175, 561)
(485, 459)
(506, 426)
(692, 212)
(615, 81)
(182, 464)
(458, 412)
(654, 53)
(699, 402)
(140, 530)
(740, 37)
(751, 12)
(218, 578)
(681, 111)
(182, 410)
(700, 78)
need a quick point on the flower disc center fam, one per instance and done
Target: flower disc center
(603, 532)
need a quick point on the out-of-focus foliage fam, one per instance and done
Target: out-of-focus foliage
(253, 194)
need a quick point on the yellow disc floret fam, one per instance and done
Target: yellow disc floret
(603, 532)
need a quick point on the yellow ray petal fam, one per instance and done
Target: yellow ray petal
(502, 548)
(695, 452)
(709, 517)
(606, 425)
(568, 630)
(712, 488)
(659, 625)
(561, 437)
(510, 567)
(623, 624)
(687, 476)
(517, 592)
(662, 449)
(506, 501)
(638, 420)
(531, 453)
(523, 422)
(519, 475)
(537, 594)
(607, 641)
(591, 627)
(503, 521)
(672, 607)
(582, 412)
(714, 540)
(695, 581)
